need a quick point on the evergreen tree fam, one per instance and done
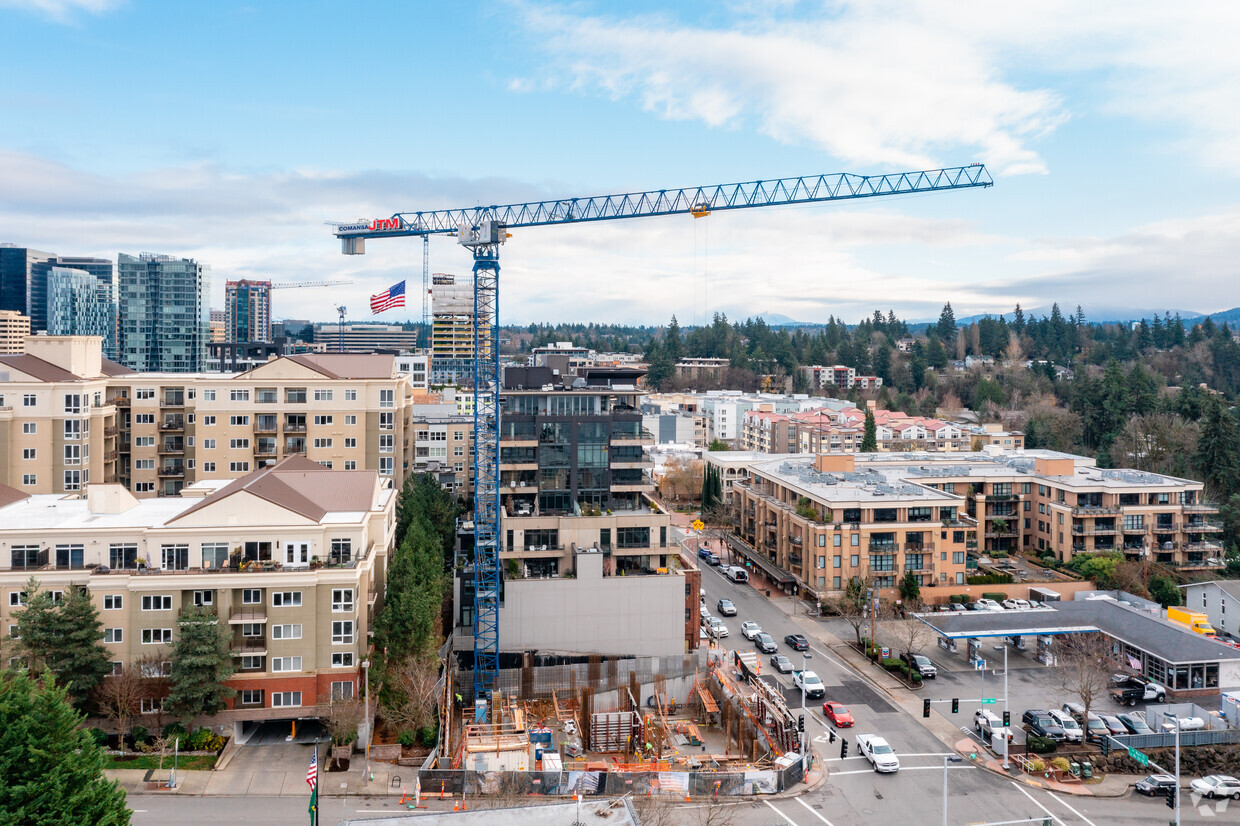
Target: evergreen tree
(201, 662)
(1018, 319)
(1218, 448)
(53, 769)
(869, 442)
(946, 326)
(671, 341)
(910, 588)
(65, 638)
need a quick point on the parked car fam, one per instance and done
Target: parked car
(1024, 605)
(957, 607)
(1134, 724)
(837, 714)
(1156, 785)
(797, 642)
(880, 755)
(726, 608)
(765, 643)
(750, 629)
(1216, 785)
(984, 604)
(709, 557)
(1072, 731)
(1113, 724)
(781, 664)
(1095, 728)
(1076, 710)
(1130, 689)
(704, 552)
(1042, 724)
(920, 663)
(1010, 604)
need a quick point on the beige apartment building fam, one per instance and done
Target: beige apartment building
(57, 422)
(14, 328)
(291, 557)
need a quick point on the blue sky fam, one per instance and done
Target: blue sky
(229, 132)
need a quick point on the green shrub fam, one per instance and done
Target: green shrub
(997, 554)
(1036, 765)
(174, 730)
(995, 595)
(1041, 745)
(99, 736)
(989, 579)
(1060, 764)
(407, 738)
(138, 734)
(959, 599)
(204, 739)
(429, 735)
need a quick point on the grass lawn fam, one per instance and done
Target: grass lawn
(151, 761)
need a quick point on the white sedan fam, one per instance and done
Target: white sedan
(750, 629)
(1217, 785)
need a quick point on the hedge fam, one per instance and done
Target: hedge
(989, 579)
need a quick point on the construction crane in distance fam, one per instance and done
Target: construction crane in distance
(483, 229)
(291, 285)
(426, 277)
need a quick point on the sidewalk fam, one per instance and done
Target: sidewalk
(270, 784)
(1111, 785)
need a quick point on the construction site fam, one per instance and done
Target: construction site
(720, 729)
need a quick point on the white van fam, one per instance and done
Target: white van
(736, 574)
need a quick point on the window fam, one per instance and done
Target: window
(30, 479)
(204, 597)
(458, 436)
(855, 539)
(29, 400)
(117, 668)
(251, 629)
(113, 635)
(327, 463)
(252, 697)
(281, 699)
(350, 395)
(322, 395)
(28, 428)
(143, 464)
(387, 421)
(151, 705)
(208, 421)
(323, 420)
(252, 663)
(214, 554)
(350, 419)
(73, 402)
(350, 442)
(29, 453)
(386, 398)
(265, 395)
(239, 395)
(295, 395)
(70, 556)
(239, 421)
(239, 467)
(156, 636)
(73, 480)
(239, 444)
(385, 442)
(342, 690)
(144, 418)
(208, 467)
(386, 463)
(208, 395)
(350, 464)
(252, 596)
(157, 602)
(342, 632)
(17, 598)
(286, 664)
(342, 550)
(286, 599)
(342, 599)
(113, 602)
(291, 631)
(323, 442)
(73, 454)
(144, 441)
(144, 393)
(342, 659)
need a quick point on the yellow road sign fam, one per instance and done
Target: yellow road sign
(697, 524)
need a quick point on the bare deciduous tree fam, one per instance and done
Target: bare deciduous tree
(1158, 442)
(907, 636)
(343, 719)
(1083, 663)
(120, 699)
(414, 682)
(682, 478)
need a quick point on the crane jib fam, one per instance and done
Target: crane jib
(805, 190)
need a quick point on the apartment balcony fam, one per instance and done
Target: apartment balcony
(1202, 507)
(636, 464)
(265, 452)
(1091, 530)
(1135, 529)
(119, 401)
(1002, 497)
(250, 647)
(269, 428)
(1202, 527)
(1094, 510)
(110, 455)
(1203, 546)
(109, 432)
(924, 548)
(172, 426)
(247, 615)
(172, 472)
(922, 568)
(961, 521)
(795, 540)
(996, 533)
(642, 436)
(171, 448)
(646, 486)
(1002, 514)
(1167, 527)
(294, 428)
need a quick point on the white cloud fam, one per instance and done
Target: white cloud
(62, 11)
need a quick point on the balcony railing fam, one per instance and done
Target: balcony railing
(250, 647)
(172, 471)
(1093, 530)
(1202, 507)
(1201, 527)
(1093, 510)
(1001, 497)
(172, 426)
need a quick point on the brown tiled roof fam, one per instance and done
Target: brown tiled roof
(9, 495)
(348, 365)
(38, 368)
(111, 368)
(302, 486)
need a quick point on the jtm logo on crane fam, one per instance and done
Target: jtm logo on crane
(383, 224)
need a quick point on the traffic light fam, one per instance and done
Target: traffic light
(925, 707)
(801, 723)
(1007, 719)
(843, 748)
(1105, 744)
(1171, 793)
(831, 735)
(955, 705)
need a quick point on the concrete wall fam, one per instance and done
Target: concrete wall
(591, 613)
(1221, 619)
(1016, 590)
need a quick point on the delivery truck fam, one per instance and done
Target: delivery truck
(1193, 620)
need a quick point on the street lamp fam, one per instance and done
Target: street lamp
(369, 724)
(947, 758)
(805, 655)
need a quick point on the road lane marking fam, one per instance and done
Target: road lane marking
(905, 769)
(1039, 805)
(781, 814)
(813, 811)
(1074, 811)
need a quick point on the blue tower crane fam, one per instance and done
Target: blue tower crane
(483, 229)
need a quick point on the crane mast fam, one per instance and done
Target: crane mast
(483, 229)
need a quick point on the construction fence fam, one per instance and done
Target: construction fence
(531, 680)
(696, 785)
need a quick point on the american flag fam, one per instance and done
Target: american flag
(393, 296)
(1134, 663)
(312, 773)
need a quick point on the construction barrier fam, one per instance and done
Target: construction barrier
(609, 783)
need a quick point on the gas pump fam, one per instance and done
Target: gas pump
(975, 651)
(1045, 655)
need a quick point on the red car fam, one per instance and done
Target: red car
(837, 714)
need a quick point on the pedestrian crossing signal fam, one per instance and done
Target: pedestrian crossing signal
(925, 707)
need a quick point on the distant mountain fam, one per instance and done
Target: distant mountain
(1096, 314)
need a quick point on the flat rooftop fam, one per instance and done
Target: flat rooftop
(869, 483)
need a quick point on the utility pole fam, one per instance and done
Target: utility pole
(1007, 744)
(947, 758)
(1176, 717)
(805, 655)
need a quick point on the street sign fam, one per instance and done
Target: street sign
(1138, 756)
(987, 701)
(697, 524)
(979, 664)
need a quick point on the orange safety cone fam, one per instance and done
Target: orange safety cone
(441, 789)
(402, 795)
(686, 794)
(456, 805)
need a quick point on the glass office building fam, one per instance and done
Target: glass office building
(164, 321)
(80, 304)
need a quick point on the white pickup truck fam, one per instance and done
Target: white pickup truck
(809, 682)
(880, 755)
